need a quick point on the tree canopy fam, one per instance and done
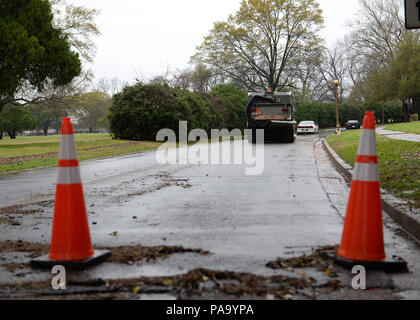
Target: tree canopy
(32, 51)
(14, 119)
(91, 109)
(78, 24)
(49, 115)
(400, 79)
(405, 68)
(264, 42)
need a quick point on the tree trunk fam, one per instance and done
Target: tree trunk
(1, 135)
(12, 134)
(406, 110)
(45, 131)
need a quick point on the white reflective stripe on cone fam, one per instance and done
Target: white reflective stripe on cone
(67, 147)
(367, 172)
(367, 146)
(69, 175)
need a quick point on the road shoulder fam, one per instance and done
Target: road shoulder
(408, 218)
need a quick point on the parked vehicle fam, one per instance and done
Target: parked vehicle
(275, 114)
(353, 124)
(308, 127)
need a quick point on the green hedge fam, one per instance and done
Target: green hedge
(325, 113)
(140, 111)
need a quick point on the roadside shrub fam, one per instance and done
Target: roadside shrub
(233, 106)
(414, 117)
(392, 111)
(140, 111)
(322, 113)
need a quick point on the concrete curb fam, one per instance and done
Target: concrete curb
(407, 218)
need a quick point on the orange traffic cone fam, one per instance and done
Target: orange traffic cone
(71, 244)
(363, 241)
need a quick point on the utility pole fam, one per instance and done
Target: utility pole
(338, 130)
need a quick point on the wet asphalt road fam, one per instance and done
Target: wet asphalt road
(298, 203)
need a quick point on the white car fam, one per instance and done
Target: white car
(307, 127)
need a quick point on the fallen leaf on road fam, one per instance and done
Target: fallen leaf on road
(330, 273)
(312, 280)
(333, 285)
(168, 283)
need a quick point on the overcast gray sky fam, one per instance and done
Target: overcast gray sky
(149, 37)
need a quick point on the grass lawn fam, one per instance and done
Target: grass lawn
(399, 163)
(33, 152)
(410, 127)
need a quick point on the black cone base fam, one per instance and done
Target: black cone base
(45, 263)
(392, 266)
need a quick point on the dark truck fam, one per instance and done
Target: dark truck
(353, 124)
(273, 112)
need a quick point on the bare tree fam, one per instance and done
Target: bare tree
(334, 68)
(201, 78)
(182, 79)
(376, 30)
(164, 78)
(308, 83)
(110, 86)
(52, 94)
